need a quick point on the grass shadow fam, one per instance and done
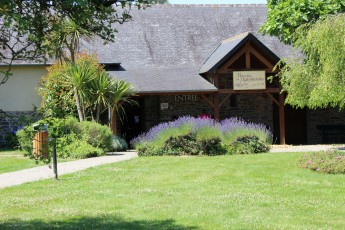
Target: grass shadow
(101, 222)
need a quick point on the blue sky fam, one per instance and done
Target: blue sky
(217, 1)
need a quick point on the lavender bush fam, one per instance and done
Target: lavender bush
(223, 133)
(192, 123)
(234, 128)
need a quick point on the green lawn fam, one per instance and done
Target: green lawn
(265, 191)
(14, 160)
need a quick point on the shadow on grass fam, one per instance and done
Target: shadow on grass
(102, 222)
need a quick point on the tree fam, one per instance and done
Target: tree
(124, 94)
(159, 2)
(57, 97)
(79, 76)
(318, 78)
(84, 80)
(285, 16)
(67, 38)
(26, 27)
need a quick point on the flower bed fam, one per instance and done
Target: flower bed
(331, 161)
(196, 136)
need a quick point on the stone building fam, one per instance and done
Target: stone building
(181, 60)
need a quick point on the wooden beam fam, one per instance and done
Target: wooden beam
(216, 107)
(282, 119)
(231, 91)
(175, 93)
(207, 100)
(261, 58)
(248, 55)
(272, 98)
(215, 79)
(224, 100)
(233, 59)
(232, 70)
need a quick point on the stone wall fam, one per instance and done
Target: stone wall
(10, 122)
(250, 107)
(323, 125)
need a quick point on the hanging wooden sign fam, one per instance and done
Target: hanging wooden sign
(249, 80)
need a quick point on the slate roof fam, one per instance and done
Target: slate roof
(175, 35)
(229, 47)
(158, 80)
(179, 37)
(164, 46)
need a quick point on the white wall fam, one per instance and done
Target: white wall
(19, 92)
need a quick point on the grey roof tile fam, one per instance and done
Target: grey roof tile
(162, 40)
(155, 80)
(173, 35)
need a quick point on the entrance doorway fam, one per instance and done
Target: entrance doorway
(132, 124)
(295, 125)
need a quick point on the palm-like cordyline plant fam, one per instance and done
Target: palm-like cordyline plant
(79, 76)
(101, 91)
(67, 36)
(124, 93)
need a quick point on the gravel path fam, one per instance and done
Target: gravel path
(44, 172)
(301, 148)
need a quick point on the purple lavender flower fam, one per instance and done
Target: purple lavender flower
(226, 126)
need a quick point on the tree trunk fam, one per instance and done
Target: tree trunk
(77, 102)
(113, 124)
(98, 112)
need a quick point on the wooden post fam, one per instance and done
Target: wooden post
(216, 98)
(248, 65)
(281, 119)
(113, 124)
(216, 107)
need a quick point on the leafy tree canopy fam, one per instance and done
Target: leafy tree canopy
(318, 78)
(26, 26)
(285, 16)
(86, 77)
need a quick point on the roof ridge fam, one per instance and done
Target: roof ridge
(242, 35)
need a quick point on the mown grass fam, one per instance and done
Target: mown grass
(263, 191)
(13, 160)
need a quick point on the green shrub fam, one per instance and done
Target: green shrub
(72, 125)
(97, 135)
(118, 144)
(247, 145)
(212, 146)
(69, 132)
(25, 137)
(63, 142)
(146, 149)
(11, 141)
(331, 161)
(182, 145)
(164, 135)
(81, 149)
